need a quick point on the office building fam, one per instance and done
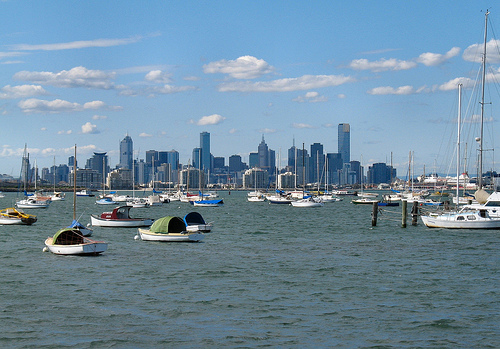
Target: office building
(344, 142)
(126, 153)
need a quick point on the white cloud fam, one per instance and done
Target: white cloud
(233, 131)
(77, 44)
(474, 52)
(89, 128)
(388, 90)
(22, 91)
(267, 130)
(311, 97)
(158, 76)
(57, 106)
(75, 77)
(145, 135)
(382, 65)
(453, 84)
(245, 67)
(341, 96)
(62, 132)
(301, 125)
(213, 119)
(305, 82)
(99, 117)
(433, 59)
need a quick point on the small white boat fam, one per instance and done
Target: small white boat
(138, 203)
(195, 222)
(32, 203)
(364, 201)
(57, 196)
(307, 202)
(12, 216)
(169, 229)
(463, 219)
(70, 241)
(258, 198)
(85, 192)
(279, 199)
(119, 217)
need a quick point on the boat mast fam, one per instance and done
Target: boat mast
(74, 186)
(458, 141)
(480, 184)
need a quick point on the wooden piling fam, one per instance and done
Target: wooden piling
(414, 213)
(374, 213)
(404, 205)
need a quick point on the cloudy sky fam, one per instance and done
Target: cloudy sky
(90, 72)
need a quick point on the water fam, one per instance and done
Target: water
(267, 276)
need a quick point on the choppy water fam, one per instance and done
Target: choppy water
(268, 276)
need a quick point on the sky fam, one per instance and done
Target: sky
(91, 72)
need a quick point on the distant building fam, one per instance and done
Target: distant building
(344, 142)
(205, 165)
(286, 180)
(380, 173)
(235, 163)
(253, 160)
(255, 178)
(126, 153)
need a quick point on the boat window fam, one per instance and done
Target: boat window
(460, 218)
(471, 218)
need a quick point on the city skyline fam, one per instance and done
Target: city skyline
(288, 70)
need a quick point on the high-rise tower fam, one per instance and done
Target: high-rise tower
(205, 151)
(126, 152)
(344, 140)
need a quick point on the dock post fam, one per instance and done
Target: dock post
(374, 213)
(404, 205)
(414, 213)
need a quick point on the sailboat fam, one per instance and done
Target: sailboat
(72, 240)
(56, 196)
(31, 200)
(468, 217)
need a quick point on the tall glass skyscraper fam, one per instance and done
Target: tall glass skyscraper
(344, 140)
(126, 153)
(205, 151)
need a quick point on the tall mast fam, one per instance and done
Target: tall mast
(74, 186)
(480, 174)
(458, 140)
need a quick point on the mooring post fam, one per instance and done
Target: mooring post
(404, 205)
(414, 213)
(374, 213)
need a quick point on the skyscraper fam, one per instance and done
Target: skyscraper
(263, 152)
(344, 139)
(126, 153)
(205, 151)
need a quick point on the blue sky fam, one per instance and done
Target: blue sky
(89, 72)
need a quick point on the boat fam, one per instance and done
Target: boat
(195, 222)
(106, 201)
(307, 202)
(70, 241)
(85, 192)
(207, 203)
(31, 202)
(119, 217)
(258, 198)
(468, 218)
(13, 216)
(57, 196)
(169, 229)
(138, 203)
(364, 201)
(2, 195)
(85, 231)
(463, 219)
(280, 198)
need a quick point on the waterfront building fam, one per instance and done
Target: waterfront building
(253, 160)
(255, 178)
(317, 163)
(286, 180)
(99, 163)
(380, 173)
(235, 163)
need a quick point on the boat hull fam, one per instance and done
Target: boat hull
(146, 235)
(88, 248)
(469, 221)
(120, 223)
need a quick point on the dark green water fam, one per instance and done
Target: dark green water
(268, 276)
